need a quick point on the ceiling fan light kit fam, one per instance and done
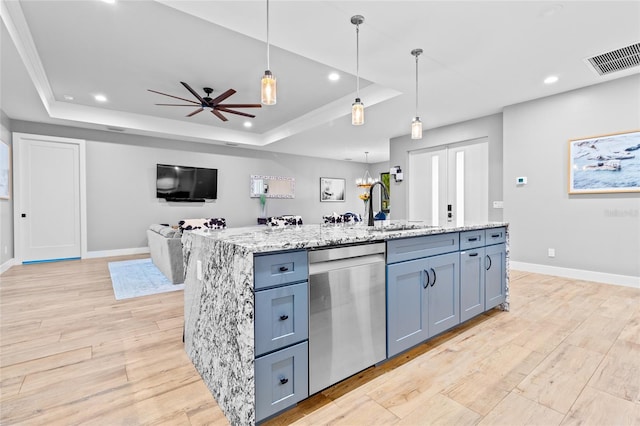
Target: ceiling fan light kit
(268, 89)
(416, 124)
(357, 108)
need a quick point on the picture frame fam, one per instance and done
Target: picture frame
(603, 164)
(332, 189)
(5, 171)
(384, 200)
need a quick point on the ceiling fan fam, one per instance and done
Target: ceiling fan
(207, 102)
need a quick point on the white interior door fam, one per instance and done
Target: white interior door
(48, 188)
(450, 184)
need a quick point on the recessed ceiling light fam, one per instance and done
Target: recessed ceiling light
(551, 79)
(68, 97)
(248, 124)
(334, 76)
(100, 98)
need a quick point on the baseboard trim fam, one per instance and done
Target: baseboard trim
(113, 253)
(579, 274)
(6, 265)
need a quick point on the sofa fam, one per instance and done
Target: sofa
(165, 244)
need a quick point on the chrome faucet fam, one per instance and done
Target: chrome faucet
(386, 194)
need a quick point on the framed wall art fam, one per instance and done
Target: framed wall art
(5, 171)
(332, 189)
(605, 164)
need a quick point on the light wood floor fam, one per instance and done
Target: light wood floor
(567, 353)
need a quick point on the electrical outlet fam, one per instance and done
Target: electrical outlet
(498, 204)
(551, 252)
(199, 269)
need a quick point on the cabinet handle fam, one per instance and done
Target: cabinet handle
(426, 284)
(283, 269)
(489, 259)
(284, 317)
(495, 235)
(434, 277)
(472, 239)
(473, 254)
(283, 380)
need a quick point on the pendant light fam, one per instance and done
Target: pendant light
(357, 108)
(366, 181)
(268, 83)
(416, 124)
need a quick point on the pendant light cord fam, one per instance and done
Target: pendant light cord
(357, 60)
(416, 85)
(268, 67)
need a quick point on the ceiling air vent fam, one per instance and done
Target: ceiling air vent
(616, 60)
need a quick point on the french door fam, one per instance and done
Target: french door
(49, 197)
(450, 184)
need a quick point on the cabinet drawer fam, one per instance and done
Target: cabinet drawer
(282, 317)
(281, 268)
(282, 379)
(495, 235)
(472, 239)
(414, 248)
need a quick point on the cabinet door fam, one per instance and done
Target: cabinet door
(495, 275)
(444, 292)
(281, 317)
(471, 283)
(282, 379)
(406, 305)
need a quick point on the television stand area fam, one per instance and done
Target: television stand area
(186, 200)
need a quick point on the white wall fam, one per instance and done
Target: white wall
(596, 232)
(6, 206)
(121, 172)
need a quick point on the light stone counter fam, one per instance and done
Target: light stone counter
(219, 307)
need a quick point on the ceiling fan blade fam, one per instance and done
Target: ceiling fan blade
(177, 105)
(171, 96)
(194, 93)
(239, 105)
(222, 97)
(220, 116)
(244, 114)
(195, 112)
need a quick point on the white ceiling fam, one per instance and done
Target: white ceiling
(479, 56)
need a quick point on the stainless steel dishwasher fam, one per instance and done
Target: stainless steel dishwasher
(347, 312)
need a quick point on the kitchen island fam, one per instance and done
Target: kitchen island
(231, 273)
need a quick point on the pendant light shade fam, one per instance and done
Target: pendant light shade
(416, 124)
(416, 128)
(357, 108)
(268, 84)
(268, 89)
(357, 113)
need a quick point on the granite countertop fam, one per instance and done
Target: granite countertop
(266, 239)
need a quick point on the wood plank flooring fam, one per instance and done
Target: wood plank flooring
(568, 353)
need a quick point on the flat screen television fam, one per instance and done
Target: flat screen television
(182, 183)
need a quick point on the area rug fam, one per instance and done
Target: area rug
(139, 277)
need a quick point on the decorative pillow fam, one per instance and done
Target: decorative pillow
(211, 223)
(333, 218)
(285, 220)
(351, 217)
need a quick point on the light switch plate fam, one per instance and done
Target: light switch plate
(498, 204)
(199, 270)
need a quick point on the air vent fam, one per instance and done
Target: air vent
(616, 60)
